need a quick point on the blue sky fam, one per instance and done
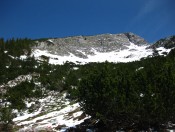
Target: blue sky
(151, 19)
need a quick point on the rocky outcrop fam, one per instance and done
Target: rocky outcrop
(136, 39)
(82, 46)
(167, 43)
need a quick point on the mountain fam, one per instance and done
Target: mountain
(42, 96)
(135, 39)
(124, 47)
(167, 43)
(101, 43)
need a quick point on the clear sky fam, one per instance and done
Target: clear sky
(151, 19)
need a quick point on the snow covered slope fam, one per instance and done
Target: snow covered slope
(55, 113)
(115, 48)
(131, 53)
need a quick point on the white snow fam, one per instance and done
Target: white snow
(29, 104)
(140, 68)
(26, 115)
(50, 40)
(75, 68)
(65, 114)
(161, 50)
(23, 57)
(18, 80)
(11, 56)
(52, 119)
(133, 53)
(141, 95)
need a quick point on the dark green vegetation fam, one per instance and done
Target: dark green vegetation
(136, 95)
(126, 97)
(44, 77)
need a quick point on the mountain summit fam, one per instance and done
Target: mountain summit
(121, 47)
(103, 42)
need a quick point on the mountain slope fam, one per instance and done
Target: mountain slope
(32, 88)
(167, 43)
(123, 47)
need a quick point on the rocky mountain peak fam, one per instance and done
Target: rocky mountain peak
(136, 39)
(168, 42)
(101, 43)
(123, 47)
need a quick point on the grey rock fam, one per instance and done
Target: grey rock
(81, 46)
(136, 39)
(168, 43)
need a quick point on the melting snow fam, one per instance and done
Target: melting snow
(50, 40)
(140, 68)
(132, 53)
(67, 116)
(52, 119)
(162, 50)
(23, 57)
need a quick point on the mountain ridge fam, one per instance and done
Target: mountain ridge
(123, 47)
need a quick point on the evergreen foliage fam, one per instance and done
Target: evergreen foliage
(135, 95)
(125, 96)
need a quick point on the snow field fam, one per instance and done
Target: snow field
(132, 53)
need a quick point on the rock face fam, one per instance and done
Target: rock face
(166, 43)
(82, 45)
(124, 47)
(135, 39)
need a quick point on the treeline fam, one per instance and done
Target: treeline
(16, 47)
(10, 63)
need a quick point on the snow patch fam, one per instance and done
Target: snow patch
(132, 53)
(23, 57)
(163, 50)
(50, 40)
(140, 68)
(18, 80)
